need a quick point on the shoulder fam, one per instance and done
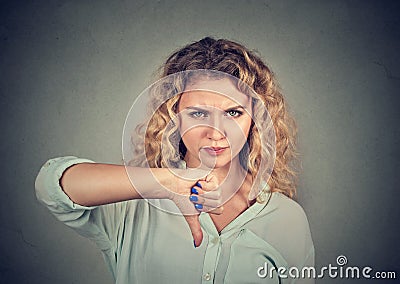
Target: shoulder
(286, 227)
(284, 208)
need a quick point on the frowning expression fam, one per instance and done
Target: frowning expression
(215, 120)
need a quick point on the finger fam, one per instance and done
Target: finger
(216, 211)
(185, 206)
(195, 228)
(213, 210)
(199, 199)
(210, 184)
(213, 203)
(215, 194)
(196, 198)
(196, 190)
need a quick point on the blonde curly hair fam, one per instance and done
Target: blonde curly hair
(238, 61)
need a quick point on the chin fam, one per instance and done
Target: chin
(222, 164)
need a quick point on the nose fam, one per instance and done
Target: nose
(214, 134)
(215, 130)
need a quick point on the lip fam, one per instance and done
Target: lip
(215, 151)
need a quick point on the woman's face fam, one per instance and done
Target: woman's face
(214, 127)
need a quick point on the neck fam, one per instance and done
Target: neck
(234, 180)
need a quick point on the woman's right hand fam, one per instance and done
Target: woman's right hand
(194, 186)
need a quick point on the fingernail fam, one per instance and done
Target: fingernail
(198, 206)
(194, 191)
(194, 243)
(198, 184)
(193, 198)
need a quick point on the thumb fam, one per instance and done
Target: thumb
(195, 228)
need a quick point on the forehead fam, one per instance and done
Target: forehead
(219, 93)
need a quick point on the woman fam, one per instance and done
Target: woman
(203, 152)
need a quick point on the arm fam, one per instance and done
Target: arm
(92, 184)
(71, 188)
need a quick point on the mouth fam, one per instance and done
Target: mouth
(215, 151)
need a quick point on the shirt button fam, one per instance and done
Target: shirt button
(215, 240)
(207, 276)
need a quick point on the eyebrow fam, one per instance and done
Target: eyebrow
(202, 109)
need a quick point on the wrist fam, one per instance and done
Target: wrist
(149, 183)
(164, 183)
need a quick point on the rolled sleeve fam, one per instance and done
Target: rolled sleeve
(98, 223)
(48, 189)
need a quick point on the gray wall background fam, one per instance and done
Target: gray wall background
(70, 71)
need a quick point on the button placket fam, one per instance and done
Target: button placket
(211, 259)
(212, 252)
(207, 277)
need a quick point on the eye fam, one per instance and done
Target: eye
(198, 114)
(234, 113)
